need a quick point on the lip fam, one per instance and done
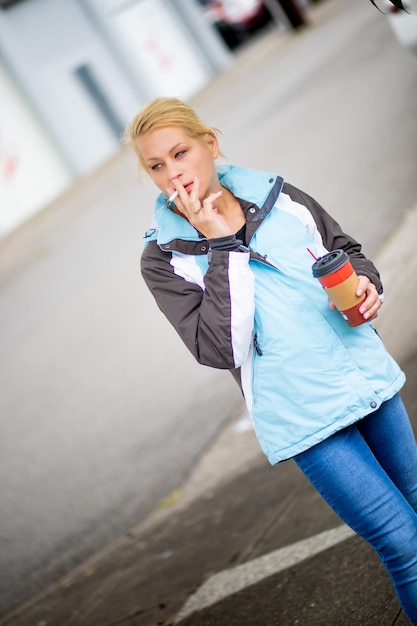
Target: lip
(188, 187)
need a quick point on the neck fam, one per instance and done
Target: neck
(229, 207)
(228, 203)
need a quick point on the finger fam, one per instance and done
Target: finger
(182, 201)
(363, 284)
(208, 204)
(210, 201)
(370, 311)
(371, 295)
(194, 196)
(191, 199)
(370, 301)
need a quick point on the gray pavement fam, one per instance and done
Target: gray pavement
(240, 542)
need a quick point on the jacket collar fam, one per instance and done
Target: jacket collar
(259, 189)
(252, 185)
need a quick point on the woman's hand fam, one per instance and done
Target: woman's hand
(202, 215)
(371, 305)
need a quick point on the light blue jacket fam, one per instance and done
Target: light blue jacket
(304, 372)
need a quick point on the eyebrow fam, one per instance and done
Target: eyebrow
(177, 145)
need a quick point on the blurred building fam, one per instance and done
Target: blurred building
(73, 73)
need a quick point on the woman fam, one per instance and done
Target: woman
(228, 262)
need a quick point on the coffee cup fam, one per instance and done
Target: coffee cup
(340, 281)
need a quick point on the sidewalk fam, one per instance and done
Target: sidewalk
(244, 543)
(146, 577)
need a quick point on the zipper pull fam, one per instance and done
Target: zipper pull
(256, 345)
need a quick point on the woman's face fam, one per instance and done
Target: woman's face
(169, 153)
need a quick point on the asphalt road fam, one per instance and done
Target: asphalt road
(103, 412)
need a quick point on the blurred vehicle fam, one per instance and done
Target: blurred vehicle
(236, 20)
(403, 23)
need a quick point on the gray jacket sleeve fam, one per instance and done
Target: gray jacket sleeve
(215, 321)
(333, 236)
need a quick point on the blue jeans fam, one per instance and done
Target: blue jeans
(367, 473)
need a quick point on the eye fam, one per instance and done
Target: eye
(180, 154)
(156, 167)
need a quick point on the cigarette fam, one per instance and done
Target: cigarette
(173, 196)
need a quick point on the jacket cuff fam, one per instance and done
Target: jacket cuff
(225, 243)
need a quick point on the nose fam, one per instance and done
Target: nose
(173, 170)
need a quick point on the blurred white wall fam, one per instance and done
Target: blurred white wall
(69, 77)
(163, 52)
(31, 171)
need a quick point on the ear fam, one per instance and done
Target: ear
(213, 144)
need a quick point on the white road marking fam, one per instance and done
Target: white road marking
(230, 581)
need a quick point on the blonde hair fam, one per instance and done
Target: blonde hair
(163, 112)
